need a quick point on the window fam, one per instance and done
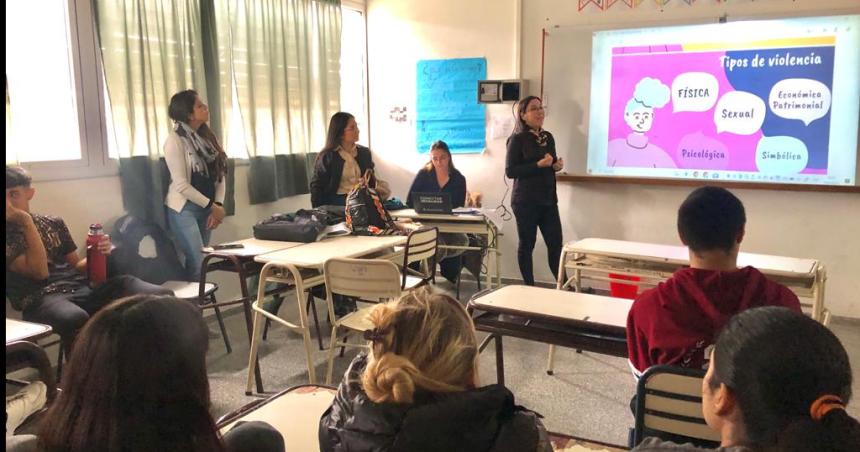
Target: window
(353, 69)
(50, 64)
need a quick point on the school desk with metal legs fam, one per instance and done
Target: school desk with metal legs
(464, 224)
(241, 261)
(301, 267)
(582, 321)
(602, 259)
(596, 259)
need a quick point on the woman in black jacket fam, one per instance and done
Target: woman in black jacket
(532, 162)
(341, 163)
(440, 176)
(416, 390)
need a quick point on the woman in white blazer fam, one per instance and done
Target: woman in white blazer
(198, 167)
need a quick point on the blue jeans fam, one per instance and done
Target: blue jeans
(189, 228)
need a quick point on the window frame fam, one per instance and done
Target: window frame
(89, 82)
(361, 7)
(89, 87)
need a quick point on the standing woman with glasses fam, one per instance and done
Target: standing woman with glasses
(532, 163)
(198, 168)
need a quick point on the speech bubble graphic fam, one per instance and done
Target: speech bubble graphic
(739, 112)
(781, 155)
(695, 150)
(800, 98)
(694, 91)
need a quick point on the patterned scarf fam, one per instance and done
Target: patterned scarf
(204, 156)
(541, 136)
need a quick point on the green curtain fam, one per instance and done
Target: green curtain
(285, 57)
(150, 50)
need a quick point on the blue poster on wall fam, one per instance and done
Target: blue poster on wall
(447, 107)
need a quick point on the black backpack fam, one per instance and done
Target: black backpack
(134, 254)
(365, 214)
(304, 226)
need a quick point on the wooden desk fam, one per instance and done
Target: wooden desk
(596, 259)
(570, 319)
(19, 330)
(301, 267)
(463, 224)
(241, 261)
(567, 443)
(295, 413)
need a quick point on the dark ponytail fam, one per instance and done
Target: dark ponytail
(778, 363)
(835, 432)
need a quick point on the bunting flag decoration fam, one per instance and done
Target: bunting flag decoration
(598, 3)
(662, 3)
(609, 4)
(690, 2)
(632, 3)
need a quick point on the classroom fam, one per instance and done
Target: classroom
(587, 159)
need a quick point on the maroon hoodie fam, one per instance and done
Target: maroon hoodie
(677, 321)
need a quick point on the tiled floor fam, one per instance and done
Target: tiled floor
(588, 395)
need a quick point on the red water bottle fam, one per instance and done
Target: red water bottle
(96, 260)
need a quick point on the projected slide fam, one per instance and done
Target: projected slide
(781, 105)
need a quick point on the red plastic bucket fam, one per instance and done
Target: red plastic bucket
(620, 290)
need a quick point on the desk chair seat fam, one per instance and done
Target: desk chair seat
(190, 291)
(421, 248)
(369, 280)
(669, 406)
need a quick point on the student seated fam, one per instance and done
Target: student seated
(341, 164)
(137, 382)
(440, 176)
(45, 277)
(677, 321)
(778, 381)
(417, 388)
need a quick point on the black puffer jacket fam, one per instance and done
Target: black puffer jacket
(484, 419)
(328, 170)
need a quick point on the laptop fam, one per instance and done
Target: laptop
(432, 203)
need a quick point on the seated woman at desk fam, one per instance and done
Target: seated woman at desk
(417, 389)
(779, 381)
(440, 176)
(341, 164)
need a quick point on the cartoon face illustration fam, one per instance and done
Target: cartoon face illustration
(640, 118)
(649, 94)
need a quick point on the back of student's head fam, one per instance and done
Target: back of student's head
(136, 381)
(422, 341)
(778, 363)
(17, 177)
(711, 218)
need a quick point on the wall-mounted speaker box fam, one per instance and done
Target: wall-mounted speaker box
(501, 91)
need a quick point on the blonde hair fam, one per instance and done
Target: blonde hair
(423, 340)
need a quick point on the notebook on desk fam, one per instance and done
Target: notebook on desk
(432, 203)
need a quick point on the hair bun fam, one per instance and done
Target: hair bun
(390, 378)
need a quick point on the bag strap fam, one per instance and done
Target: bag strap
(368, 177)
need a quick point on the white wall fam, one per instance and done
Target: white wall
(400, 32)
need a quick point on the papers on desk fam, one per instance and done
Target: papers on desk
(465, 211)
(493, 216)
(335, 230)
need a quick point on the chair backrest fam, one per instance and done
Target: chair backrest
(144, 250)
(669, 400)
(367, 279)
(421, 245)
(23, 354)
